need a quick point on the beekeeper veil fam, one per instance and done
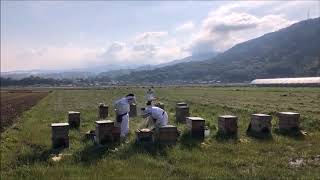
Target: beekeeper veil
(131, 98)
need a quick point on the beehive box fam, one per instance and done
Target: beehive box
(260, 123)
(288, 120)
(196, 126)
(74, 119)
(103, 111)
(228, 124)
(144, 136)
(181, 113)
(167, 134)
(133, 110)
(60, 135)
(104, 131)
(116, 134)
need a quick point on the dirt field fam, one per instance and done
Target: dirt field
(14, 102)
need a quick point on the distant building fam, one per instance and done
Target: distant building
(288, 82)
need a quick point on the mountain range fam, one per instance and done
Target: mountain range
(289, 52)
(293, 51)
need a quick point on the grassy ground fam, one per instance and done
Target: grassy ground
(26, 148)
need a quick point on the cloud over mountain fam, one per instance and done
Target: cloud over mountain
(225, 27)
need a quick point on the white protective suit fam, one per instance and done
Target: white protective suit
(159, 115)
(122, 108)
(150, 95)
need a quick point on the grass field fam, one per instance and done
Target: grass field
(26, 148)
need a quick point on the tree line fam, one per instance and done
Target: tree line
(33, 80)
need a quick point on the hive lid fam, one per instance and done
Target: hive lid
(182, 107)
(59, 124)
(195, 118)
(228, 116)
(168, 126)
(182, 104)
(104, 122)
(261, 115)
(288, 113)
(101, 104)
(144, 130)
(73, 112)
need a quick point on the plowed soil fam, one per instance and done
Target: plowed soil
(14, 103)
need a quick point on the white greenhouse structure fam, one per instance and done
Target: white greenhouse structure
(295, 82)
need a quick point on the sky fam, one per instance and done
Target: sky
(53, 35)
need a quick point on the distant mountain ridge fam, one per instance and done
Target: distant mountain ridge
(110, 71)
(290, 52)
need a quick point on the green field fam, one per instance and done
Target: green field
(26, 147)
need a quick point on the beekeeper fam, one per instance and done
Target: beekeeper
(150, 96)
(158, 116)
(122, 109)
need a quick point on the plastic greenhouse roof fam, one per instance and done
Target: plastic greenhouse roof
(300, 80)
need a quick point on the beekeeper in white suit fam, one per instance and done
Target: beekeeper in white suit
(122, 108)
(150, 95)
(155, 114)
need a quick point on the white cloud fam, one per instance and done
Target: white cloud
(222, 28)
(149, 36)
(226, 26)
(145, 48)
(188, 26)
(45, 58)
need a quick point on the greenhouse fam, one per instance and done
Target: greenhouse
(301, 81)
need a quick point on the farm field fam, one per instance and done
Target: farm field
(15, 102)
(26, 148)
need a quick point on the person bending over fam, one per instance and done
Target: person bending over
(158, 116)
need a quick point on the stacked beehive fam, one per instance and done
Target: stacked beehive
(144, 136)
(74, 119)
(60, 135)
(103, 111)
(228, 124)
(182, 111)
(167, 135)
(196, 126)
(260, 123)
(133, 110)
(288, 120)
(104, 131)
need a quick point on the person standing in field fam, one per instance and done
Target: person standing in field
(122, 109)
(150, 95)
(158, 116)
